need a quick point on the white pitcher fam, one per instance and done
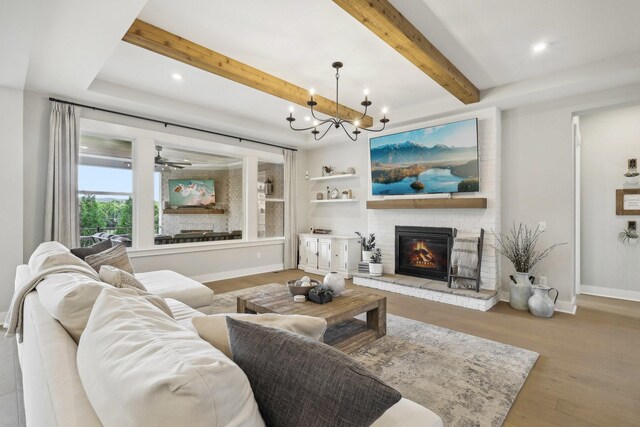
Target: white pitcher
(540, 303)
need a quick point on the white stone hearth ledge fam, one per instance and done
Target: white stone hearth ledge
(430, 290)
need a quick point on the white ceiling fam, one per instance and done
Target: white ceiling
(592, 42)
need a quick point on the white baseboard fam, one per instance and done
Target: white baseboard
(561, 306)
(231, 274)
(610, 293)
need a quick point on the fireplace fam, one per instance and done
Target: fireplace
(424, 251)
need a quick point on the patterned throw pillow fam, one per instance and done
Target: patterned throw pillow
(301, 382)
(82, 253)
(115, 256)
(119, 278)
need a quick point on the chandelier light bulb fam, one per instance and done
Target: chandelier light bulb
(356, 123)
(366, 92)
(385, 110)
(312, 91)
(291, 109)
(315, 123)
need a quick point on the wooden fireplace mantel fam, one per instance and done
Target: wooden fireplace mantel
(453, 203)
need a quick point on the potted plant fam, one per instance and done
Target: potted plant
(628, 236)
(368, 244)
(327, 170)
(375, 263)
(321, 294)
(519, 247)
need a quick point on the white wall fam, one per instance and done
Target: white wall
(11, 115)
(609, 138)
(345, 218)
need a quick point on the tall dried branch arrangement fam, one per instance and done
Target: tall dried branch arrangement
(519, 247)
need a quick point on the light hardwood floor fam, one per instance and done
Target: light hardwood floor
(588, 373)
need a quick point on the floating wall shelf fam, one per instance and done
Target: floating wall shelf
(193, 211)
(454, 203)
(331, 177)
(334, 201)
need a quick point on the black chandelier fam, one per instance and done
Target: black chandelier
(336, 121)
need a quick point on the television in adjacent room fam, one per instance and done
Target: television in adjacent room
(191, 192)
(435, 159)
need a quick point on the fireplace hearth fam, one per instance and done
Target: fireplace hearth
(424, 251)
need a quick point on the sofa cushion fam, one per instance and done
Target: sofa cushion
(53, 254)
(115, 256)
(213, 328)
(407, 413)
(69, 298)
(300, 382)
(170, 284)
(141, 368)
(119, 278)
(183, 313)
(84, 252)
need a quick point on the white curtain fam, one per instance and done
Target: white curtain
(61, 208)
(290, 220)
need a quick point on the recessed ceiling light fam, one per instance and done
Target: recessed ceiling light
(539, 47)
(176, 76)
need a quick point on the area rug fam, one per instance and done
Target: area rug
(466, 380)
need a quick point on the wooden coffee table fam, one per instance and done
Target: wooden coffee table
(343, 331)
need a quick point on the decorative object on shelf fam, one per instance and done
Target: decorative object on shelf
(268, 187)
(519, 247)
(327, 170)
(335, 283)
(302, 286)
(632, 176)
(334, 194)
(336, 121)
(375, 263)
(319, 196)
(346, 194)
(320, 231)
(328, 193)
(540, 303)
(351, 170)
(628, 201)
(320, 295)
(628, 236)
(368, 245)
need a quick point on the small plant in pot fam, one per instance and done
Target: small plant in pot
(368, 244)
(519, 247)
(375, 263)
(628, 236)
(320, 294)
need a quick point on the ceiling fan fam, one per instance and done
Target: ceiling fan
(161, 161)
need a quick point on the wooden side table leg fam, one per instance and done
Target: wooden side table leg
(377, 318)
(241, 307)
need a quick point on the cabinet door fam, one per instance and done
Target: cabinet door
(312, 253)
(342, 256)
(324, 254)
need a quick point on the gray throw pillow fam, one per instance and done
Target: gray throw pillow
(116, 257)
(300, 382)
(82, 253)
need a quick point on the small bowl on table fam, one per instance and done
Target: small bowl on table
(301, 290)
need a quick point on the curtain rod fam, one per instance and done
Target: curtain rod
(166, 123)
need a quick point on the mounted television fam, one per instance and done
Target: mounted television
(191, 192)
(436, 159)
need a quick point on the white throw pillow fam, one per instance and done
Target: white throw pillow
(69, 298)
(53, 254)
(141, 368)
(213, 328)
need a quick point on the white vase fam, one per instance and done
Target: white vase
(335, 282)
(375, 269)
(520, 292)
(366, 256)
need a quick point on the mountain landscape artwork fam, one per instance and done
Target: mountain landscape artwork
(437, 159)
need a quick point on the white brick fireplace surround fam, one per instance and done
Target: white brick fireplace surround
(382, 222)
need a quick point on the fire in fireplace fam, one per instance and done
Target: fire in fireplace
(423, 251)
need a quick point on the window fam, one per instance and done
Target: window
(199, 197)
(105, 190)
(270, 200)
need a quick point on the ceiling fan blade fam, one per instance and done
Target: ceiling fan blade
(179, 162)
(174, 165)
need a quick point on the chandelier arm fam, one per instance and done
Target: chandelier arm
(322, 136)
(375, 130)
(347, 132)
(310, 127)
(313, 114)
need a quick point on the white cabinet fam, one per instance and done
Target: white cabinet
(321, 254)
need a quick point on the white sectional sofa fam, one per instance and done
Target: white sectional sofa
(53, 391)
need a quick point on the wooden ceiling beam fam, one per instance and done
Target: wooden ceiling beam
(393, 28)
(157, 40)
